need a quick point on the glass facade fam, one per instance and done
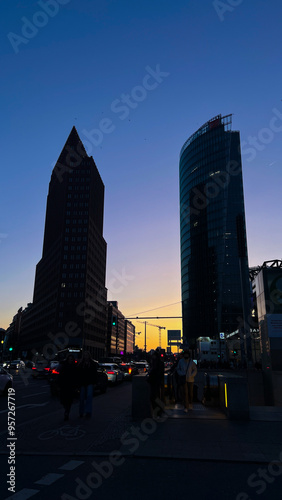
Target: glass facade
(212, 220)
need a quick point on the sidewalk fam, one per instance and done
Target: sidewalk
(206, 434)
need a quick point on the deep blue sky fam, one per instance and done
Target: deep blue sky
(72, 70)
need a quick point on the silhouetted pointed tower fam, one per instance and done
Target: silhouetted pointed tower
(69, 291)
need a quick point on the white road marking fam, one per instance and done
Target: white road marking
(49, 479)
(71, 465)
(35, 394)
(30, 405)
(23, 494)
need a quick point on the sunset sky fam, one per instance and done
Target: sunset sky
(136, 79)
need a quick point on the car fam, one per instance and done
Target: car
(5, 364)
(6, 381)
(54, 372)
(143, 367)
(114, 373)
(129, 369)
(40, 369)
(16, 364)
(29, 363)
(111, 360)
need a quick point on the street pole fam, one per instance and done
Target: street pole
(117, 337)
(145, 346)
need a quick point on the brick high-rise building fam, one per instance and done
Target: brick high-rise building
(70, 300)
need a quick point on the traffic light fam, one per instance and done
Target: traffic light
(10, 348)
(114, 320)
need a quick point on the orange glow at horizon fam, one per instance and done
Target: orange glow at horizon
(161, 316)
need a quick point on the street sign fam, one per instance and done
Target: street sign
(173, 335)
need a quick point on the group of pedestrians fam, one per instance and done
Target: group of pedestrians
(77, 376)
(182, 375)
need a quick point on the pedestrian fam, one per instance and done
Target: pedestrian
(187, 371)
(87, 376)
(156, 381)
(178, 390)
(67, 381)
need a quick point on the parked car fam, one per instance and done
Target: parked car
(6, 381)
(114, 372)
(53, 375)
(16, 364)
(129, 369)
(40, 369)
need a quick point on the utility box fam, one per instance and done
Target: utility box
(233, 397)
(141, 406)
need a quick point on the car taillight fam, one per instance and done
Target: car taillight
(33, 368)
(129, 370)
(111, 373)
(47, 369)
(55, 372)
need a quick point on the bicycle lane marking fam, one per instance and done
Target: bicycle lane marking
(68, 432)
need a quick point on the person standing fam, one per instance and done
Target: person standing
(67, 381)
(178, 390)
(87, 376)
(187, 370)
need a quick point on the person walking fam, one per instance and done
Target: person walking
(67, 381)
(187, 371)
(87, 376)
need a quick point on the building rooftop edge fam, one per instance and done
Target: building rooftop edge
(214, 122)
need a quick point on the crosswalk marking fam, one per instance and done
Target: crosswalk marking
(23, 494)
(49, 479)
(71, 465)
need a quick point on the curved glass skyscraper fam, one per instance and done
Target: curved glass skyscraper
(214, 261)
